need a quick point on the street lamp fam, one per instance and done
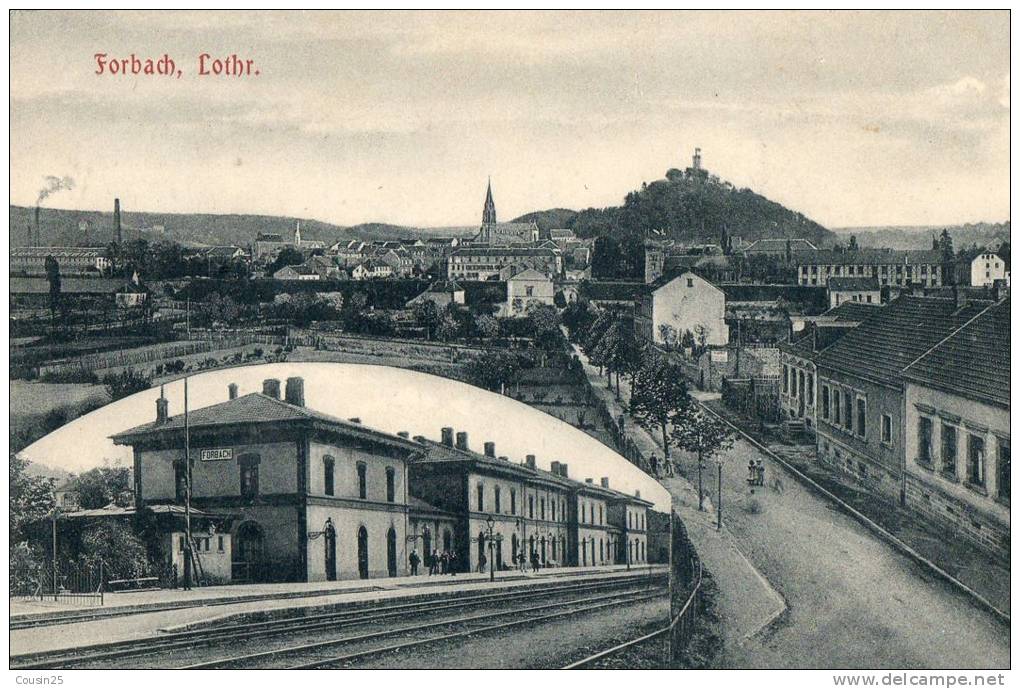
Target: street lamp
(701, 490)
(490, 522)
(718, 519)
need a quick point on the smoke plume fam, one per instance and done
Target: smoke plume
(53, 185)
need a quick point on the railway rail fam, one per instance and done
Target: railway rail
(180, 643)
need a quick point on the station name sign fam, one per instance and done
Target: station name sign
(217, 454)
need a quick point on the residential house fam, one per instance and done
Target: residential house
(957, 430)
(371, 270)
(527, 287)
(301, 271)
(682, 303)
(442, 293)
(865, 290)
(860, 395)
(986, 268)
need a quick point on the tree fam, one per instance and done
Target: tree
(668, 334)
(127, 382)
(448, 327)
(426, 314)
(544, 323)
(853, 243)
(495, 371)
(620, 351)
(487, 326)
(696, 431)
(288, 256)
(30, 497)
(122, 553)
(98, 487)
(559, 301)
(659, 395)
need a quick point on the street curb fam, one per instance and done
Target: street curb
(868, 523)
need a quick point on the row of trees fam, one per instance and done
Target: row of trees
(660, 401)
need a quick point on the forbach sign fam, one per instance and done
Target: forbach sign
(217, 454)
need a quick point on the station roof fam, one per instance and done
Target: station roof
(257, 408)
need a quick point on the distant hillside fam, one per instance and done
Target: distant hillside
(689, 205)
(919, 236)
(549, 219)
(66, 227)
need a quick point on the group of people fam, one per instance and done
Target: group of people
(436, 562)
(445, 562)
(756, 473)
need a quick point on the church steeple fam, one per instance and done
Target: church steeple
(489, 212)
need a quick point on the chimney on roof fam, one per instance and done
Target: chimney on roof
(563, 470)
(232, 391)
(295, 391)
(162, 407)
(420, 439)
(555, 468)
(588, 480)
(355, 419)
(959, 296)
(530, 461)
(504, 458)
(637, 493)
(999, 290)
(462, 440)
(404, 434)
(447, 436)
(604, 481)
(271, 388)
(490, 448)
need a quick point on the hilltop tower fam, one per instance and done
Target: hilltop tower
(489, 212)
(697, 159)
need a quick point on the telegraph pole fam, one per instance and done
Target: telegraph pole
(187, 492)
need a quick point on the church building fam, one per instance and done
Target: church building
(495, 233)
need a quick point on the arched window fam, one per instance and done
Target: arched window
(602, 551)
(600, 514)
(391, 484)
(513, 501)
(249, 472)
(554, 546)
(362, 481)
(391, 552)
(328, 464)
(363, 552)
(481, 497)
(481, 546)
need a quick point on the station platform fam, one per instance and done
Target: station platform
(127, 616)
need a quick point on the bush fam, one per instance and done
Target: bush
(127, 382)
(123, 554)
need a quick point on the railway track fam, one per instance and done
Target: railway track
(177, 645)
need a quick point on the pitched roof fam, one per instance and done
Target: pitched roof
(561, 233)
(852, 311)
(841, 284)
(255, 408)
(222, 251)
(779, 244)
(504, 251)
(973, 361)
(268, 237)
(530, 274)
(897, 334)
(876, 257)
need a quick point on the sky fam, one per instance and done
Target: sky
(850, 118)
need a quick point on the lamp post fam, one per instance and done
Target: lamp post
(701, 491)
(718, 518)
(490, 522)
(56, 512)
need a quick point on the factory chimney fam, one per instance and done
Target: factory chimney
(116, 219)
(38, 232)
(232, 391)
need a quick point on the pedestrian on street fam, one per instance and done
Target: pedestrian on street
(481, 562)
(453, 564)
(654, 461)
(761, 472)
(752, 473)
(414, 560)
(444, 562)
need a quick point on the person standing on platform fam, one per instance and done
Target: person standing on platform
(434, 562)
(414, 560)
(452, 566)
(444, 562)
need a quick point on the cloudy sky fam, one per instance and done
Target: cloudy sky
(850, 118)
